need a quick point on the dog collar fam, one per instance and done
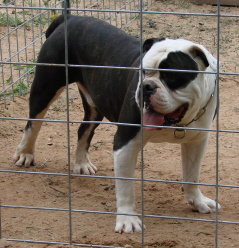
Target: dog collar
(181, 133)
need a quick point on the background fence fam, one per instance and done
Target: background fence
(24, 24)
(46, 204)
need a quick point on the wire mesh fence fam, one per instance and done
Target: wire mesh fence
(50, 205)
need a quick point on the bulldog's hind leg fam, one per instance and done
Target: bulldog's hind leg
(41, 98)
(82, 163)
(192, 155)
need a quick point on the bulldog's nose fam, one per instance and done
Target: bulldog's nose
(149, 87)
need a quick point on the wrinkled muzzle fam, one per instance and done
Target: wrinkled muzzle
(153, 117)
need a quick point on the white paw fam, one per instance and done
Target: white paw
(128, 224)
(24, 159)
(86, 168)
(203, 204)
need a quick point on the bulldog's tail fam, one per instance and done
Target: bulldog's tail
(55, 23)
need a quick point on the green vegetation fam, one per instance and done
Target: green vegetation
(20, 88)
(11, 21)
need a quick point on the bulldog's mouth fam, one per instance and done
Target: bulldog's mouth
(153, 118)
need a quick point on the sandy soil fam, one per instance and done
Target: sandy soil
(162, 161)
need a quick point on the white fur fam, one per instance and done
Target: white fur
(124, 165)
(24, 154)
(86, 94)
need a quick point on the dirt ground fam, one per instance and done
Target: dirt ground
(162, 162)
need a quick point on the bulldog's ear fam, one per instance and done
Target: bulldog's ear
(201, 53)
(149, 42)
(196, 52)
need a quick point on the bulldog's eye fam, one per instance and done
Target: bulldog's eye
(169, 76)
(170, 79)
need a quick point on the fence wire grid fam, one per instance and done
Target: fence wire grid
(47, 205)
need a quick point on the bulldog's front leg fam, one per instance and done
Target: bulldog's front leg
(192, 155)
(124, 165)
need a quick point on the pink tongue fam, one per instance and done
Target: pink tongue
(175, 115)
(153, 118)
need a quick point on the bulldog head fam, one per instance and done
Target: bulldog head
(173, 95)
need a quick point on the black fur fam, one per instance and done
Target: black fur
(179, 61)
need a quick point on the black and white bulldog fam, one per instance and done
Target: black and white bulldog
(181, 98)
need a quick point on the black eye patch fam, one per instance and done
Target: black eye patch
(178, 61)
